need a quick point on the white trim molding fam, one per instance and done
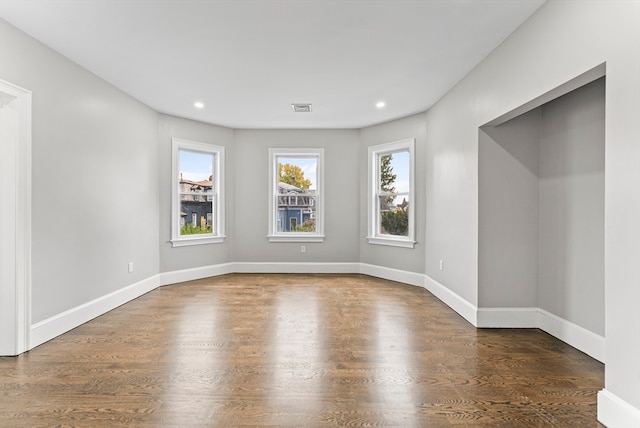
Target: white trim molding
(174, 277)
(614, 412)
(56, 325)
(411, 278)
(376, 192)
(274, 233)
(574, 335)
(215, 197)
(392, 242)
(465, 309)
(177, 276)
(15, 219)
(579, 337)
(252, 267)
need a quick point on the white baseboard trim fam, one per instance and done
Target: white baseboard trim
(56, 325)
(507, 318)
(579, 337)
(191, 274)
(254, 267)
(614, 412)
(574, 335)
(570, 333)
(391, 274)
(465, 309)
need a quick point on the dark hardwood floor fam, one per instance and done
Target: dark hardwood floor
(299, 351)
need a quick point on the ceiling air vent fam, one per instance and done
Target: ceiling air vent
(301, 108)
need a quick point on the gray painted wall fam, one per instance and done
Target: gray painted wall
(172, 259)
(508, 221)
(571, 250)
(342, 190)
(407, 259)
(95, 178)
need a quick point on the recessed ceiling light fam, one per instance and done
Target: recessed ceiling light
(198, 104)
(380, 104)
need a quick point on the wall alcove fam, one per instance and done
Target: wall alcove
(541, 209)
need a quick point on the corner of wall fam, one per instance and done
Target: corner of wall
(614, 412)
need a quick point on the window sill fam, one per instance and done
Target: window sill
(185, 242)
(296, 238)
(392, 242)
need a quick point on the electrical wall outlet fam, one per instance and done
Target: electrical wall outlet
(303, 249)
(441, 265)
(130, 266)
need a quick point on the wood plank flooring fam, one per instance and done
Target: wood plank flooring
(297, 351)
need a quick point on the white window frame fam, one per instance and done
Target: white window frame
(273, 234)
(218, 235)
(375, 152)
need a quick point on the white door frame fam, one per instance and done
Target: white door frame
(15, 219)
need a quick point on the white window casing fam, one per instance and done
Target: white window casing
(214, 196)
(312, 200)
(375, 194)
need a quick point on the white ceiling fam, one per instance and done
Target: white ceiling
(248, 60)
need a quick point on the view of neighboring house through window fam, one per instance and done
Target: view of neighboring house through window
(295, 206)
(391, 195)
(197, 205)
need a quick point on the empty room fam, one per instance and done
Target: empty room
(319, 213)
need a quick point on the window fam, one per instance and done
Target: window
(197, 203)
(391, 200)
(295, 195)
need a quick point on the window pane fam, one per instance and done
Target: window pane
(196, 192)
(394, 172)
(393, 202)
(297, 190)
(394, 215)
